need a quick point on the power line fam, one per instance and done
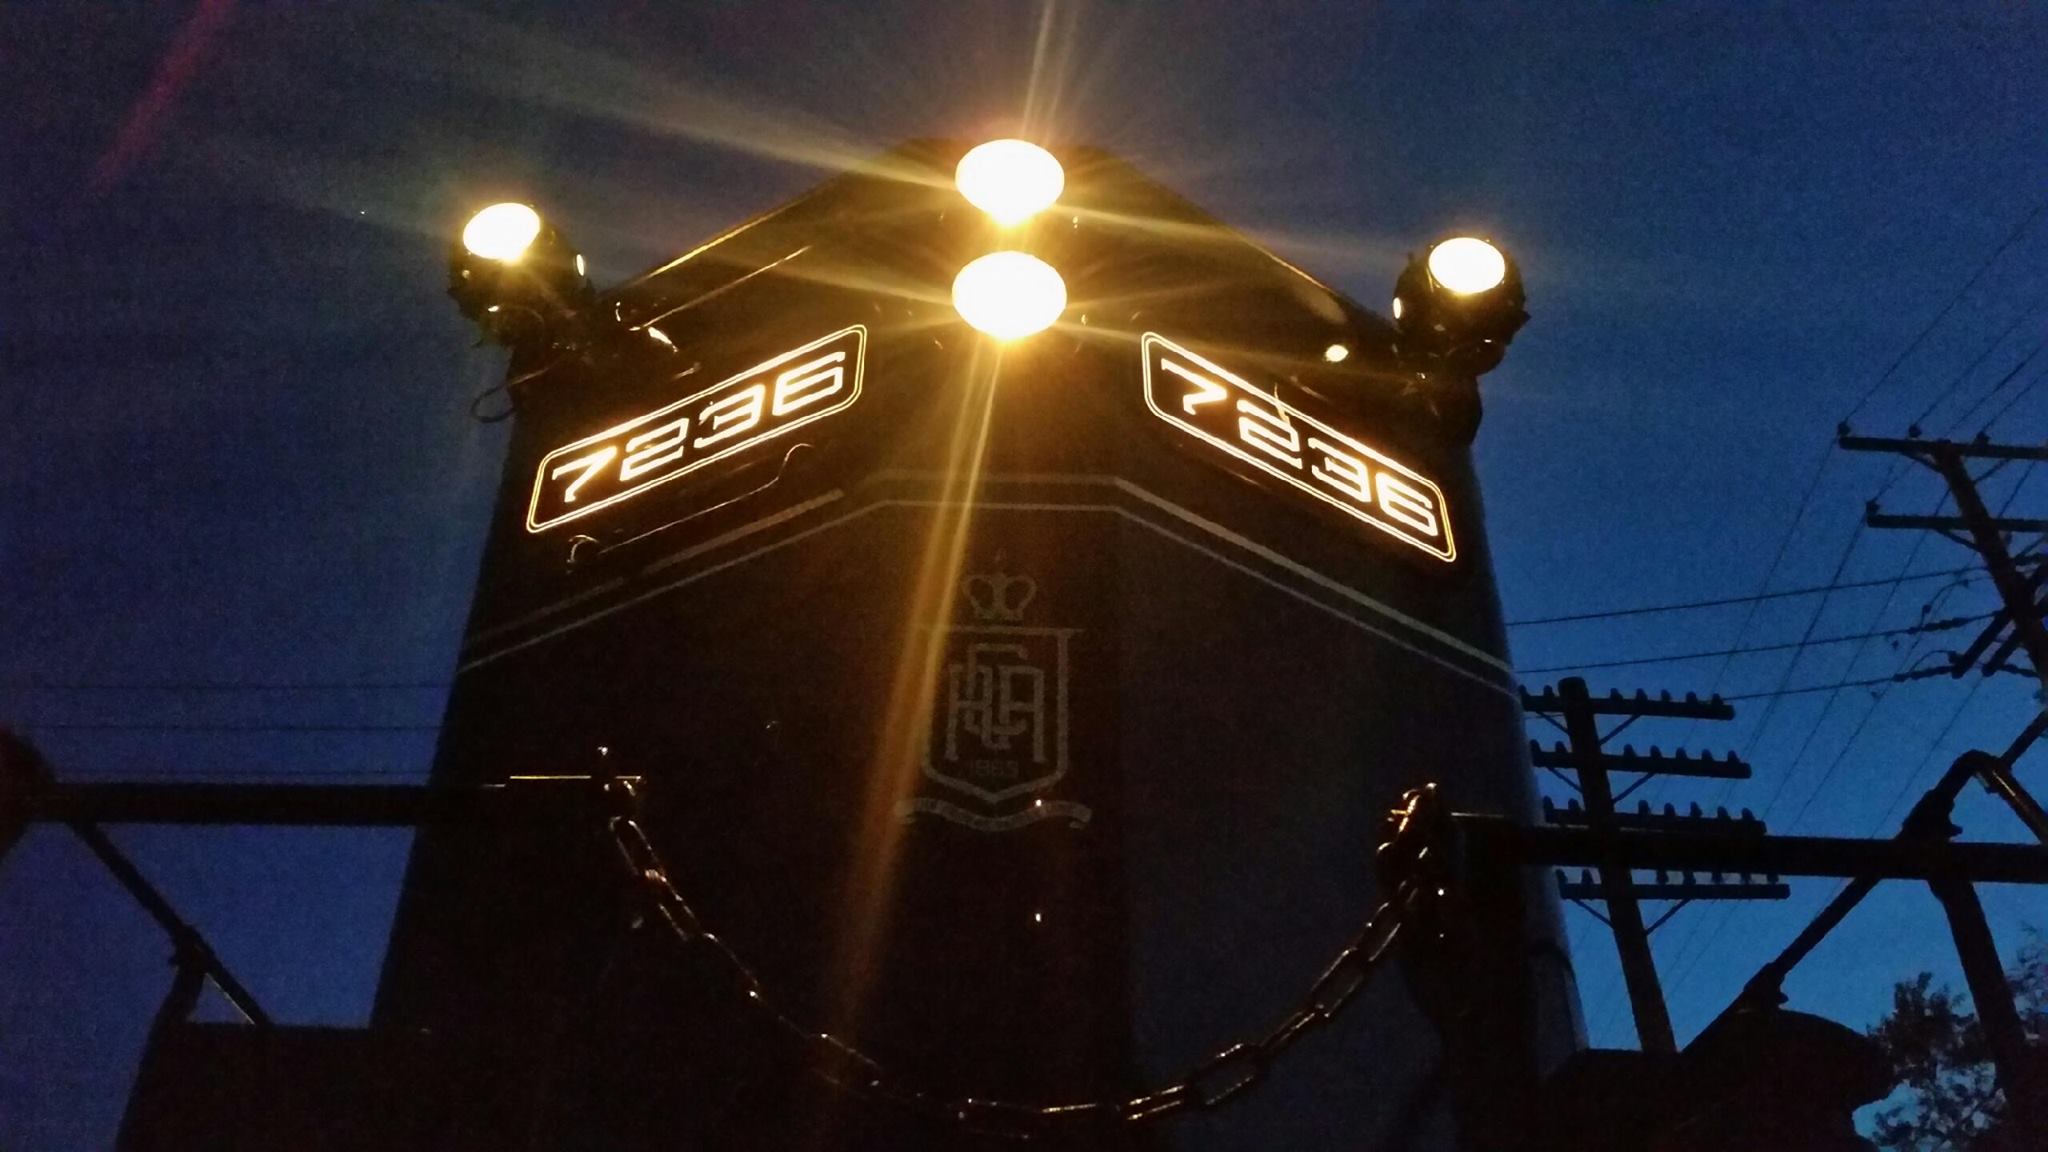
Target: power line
(1906, 785)
(1901, 467)
(2012, 373)
(1908, 630)
(1907, 662)
(1776, 696)
(1827, 456)
(1913, 345)
(1818, 589)
(1792, 766)
(2016, 397)
(1895, 678)
(1685, 957)
(1685, 964)
(1955, 384)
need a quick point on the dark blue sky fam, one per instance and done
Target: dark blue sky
(235, 449)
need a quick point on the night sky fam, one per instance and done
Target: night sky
(236, 450)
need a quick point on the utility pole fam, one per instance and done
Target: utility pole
(1975, 528)
(2019, 1069)
(1579, 712)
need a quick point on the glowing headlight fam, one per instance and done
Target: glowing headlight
(516, 275)
(1011, 180)
(502, 232)
(1457, 306)
(1009, 295)
(1467, 265)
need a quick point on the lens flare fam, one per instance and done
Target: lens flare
(1009, 295)
(502, 232)
(1011, 180)
(1467, 265)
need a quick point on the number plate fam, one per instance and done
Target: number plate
(764, 402)
(1226, 412)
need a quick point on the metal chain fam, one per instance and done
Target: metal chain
(1210, 1084)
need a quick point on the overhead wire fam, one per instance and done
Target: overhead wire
(2011, 374)
(1906, 786)
(2021, 394)
(1704, 930)
(1899, 468)
(1680, 657)
(1956, 383)
(1827, 590)
(1876, 386)
(1919, 338)
(1685, 963)
(1722, 602)
(1791, 767)
(1907, 662)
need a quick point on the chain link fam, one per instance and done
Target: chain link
(1410, 869)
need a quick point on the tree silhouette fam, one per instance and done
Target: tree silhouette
(1949, 1099)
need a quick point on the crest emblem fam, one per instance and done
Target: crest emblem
(998, 739)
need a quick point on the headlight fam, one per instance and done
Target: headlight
(514, 274)
(1467, 265)
(1458, 305)
(502, 232)
(1009, 295)
(1011, 180)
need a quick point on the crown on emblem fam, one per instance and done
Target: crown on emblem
(998, 595)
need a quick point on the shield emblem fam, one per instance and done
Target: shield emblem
(998, 737)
